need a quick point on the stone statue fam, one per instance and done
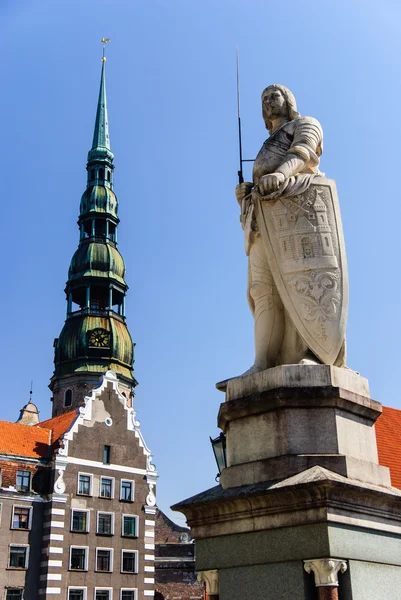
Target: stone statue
(297, 275)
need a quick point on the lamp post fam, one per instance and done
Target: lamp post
(219, 450)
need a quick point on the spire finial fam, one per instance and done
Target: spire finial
(31, 391)
(104, 42)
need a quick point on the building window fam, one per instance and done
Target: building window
(108, 176)
(14, 594)
(21, 517)
(75, 593)
(128, 561)
(128, 594)
(103, 593)
(104, 559)
(106, 454)
(101, 173)
(106, 487)
(84, 484)
(92, 173)
(127, 490)
(23, 481)
(68, 398)
(105, 523)
(18, 558)
(79, 521)
(79, 558)
(129, 526)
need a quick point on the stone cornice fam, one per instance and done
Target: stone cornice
(299, 397)
(315, 496)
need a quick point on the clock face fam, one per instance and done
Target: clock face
(99, 338)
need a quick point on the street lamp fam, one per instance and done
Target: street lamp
(219, 450)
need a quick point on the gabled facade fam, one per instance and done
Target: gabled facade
(78, 504)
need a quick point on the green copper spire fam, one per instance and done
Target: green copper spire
(101, 137)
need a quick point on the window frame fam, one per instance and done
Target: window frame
(106, 454)
(130, 537)
(27, 548)
(30, 480)
(111, 550)
(135, 590)
(19, 589)
(82, 588)
(65, 398)
(29, 508)
(113, 486)
(132, 482)
(85, 569)
(105, 512)
(90, 475)
(131, 551)
(83, 510)
(103, 589)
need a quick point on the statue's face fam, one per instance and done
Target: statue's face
(274, 104)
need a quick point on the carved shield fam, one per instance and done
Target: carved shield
(304, 243)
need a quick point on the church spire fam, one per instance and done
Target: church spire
(95, 337)
(101, 139)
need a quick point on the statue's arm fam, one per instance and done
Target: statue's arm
(304, 153)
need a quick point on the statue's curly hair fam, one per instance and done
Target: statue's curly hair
(291, 103)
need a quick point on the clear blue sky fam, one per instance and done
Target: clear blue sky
(172, 114)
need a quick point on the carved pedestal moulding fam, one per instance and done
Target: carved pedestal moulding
(211, 581)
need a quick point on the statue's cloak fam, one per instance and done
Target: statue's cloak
(304, 243)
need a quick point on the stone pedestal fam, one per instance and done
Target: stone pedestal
(303, 510)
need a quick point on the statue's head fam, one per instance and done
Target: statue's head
(277, 102)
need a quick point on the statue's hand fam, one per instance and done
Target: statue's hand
(242, 190)
(270, 183)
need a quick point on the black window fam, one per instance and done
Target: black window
(68, 398)
(129, 526)
(105, 523)
(21, 517)
(101, 173)
(128, 562)
(102, 595)
(106, 487)
(76, 595)
(18, 556)
(79, 520)
(103, 560)
(106, 454)
(126, 491)
(127, 594)
(92, 173)
(84, 484)
(14, 594)
(23, 481)
(108, 176)
(78, 556)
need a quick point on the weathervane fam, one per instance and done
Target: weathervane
(104, 42)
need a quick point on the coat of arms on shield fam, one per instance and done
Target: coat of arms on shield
(304, 243)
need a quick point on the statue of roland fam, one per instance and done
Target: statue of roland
(297, 283)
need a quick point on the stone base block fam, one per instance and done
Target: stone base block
(284, 420)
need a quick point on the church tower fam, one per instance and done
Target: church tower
(95, 337)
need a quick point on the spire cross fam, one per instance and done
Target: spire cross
(31, 391)
(104, 42)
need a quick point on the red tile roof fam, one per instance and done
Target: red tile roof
(388, 435)
(59, 425)
(34, 441)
